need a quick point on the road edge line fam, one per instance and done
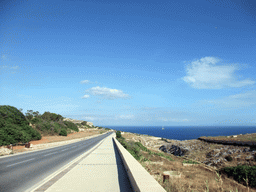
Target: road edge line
(71, 163)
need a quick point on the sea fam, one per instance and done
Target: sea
(186, 132)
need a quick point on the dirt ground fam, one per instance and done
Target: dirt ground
(193, 178)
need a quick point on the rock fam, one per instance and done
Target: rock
(224, 154)
(175, 150)
(5, 151)
(248, 158)
(246, 150)
(214, 153)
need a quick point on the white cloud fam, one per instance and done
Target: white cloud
(205, 74)
(85, 82)
(85, 96)
(107, 92)
(247, 99)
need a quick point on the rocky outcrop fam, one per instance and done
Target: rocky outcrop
(175, 150)
(213, 157)
(78, 121)
(5, 151)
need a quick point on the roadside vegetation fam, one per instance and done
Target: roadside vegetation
(16, 127)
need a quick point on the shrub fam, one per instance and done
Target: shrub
(240, 172)
(84, 123)
(56, 127)
(190, 161)
(71, 125)
(51, 116)
(141, 146)
(63, 132)
(118, 134)
(228, 158)
(14, 127)
(35, 120)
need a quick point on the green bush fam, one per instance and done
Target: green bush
(71, 125)
(51, 116)
(56, 127)
(14, 127)
(239, 174)
(84, 123)
(141, 146)
(35, 120)
(118, 134)
(190, 161)
(63, 132)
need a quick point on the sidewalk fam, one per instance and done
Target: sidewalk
(101, 170)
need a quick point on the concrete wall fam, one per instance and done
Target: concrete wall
(140, 179)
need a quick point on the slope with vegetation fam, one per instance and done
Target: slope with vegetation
(15, 127)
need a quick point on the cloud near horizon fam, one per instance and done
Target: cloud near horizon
(107, 93)
(205, 74)
(247, 99)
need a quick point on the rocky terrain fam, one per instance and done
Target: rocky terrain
(208, 153)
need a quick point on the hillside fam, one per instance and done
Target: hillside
(15, 127)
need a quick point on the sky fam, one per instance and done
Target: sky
(131, 63)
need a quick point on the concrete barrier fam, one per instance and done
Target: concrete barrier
(140, 179)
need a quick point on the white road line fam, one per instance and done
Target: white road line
(50, 153)
(64, 149)
(19, 162)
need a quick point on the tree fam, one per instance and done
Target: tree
(118, 134)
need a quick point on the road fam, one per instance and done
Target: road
(21, 172)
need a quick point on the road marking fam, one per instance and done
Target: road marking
(64, 149)
(50, 153)
(19, 162)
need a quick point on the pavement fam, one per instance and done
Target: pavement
(101, 169)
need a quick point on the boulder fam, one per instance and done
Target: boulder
(250, 157)
(5, 151)
(175, 150)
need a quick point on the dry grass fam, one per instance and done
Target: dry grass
(246, 137)
(193, 178)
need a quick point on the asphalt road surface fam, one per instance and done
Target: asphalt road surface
(21, 172)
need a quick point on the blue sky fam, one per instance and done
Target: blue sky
(159, 63)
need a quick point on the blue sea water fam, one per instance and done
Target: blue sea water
(186, 133)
